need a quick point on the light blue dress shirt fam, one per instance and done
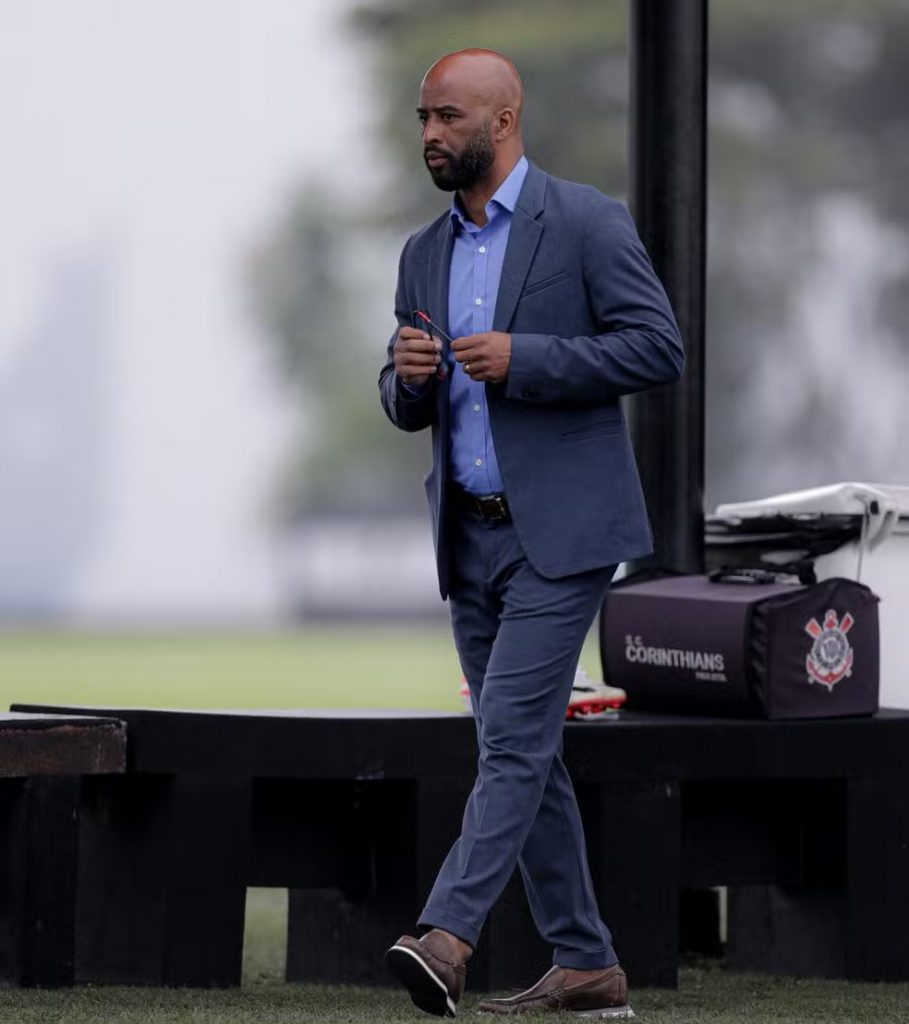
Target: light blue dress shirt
(473, 286)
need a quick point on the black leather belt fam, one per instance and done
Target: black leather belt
(491, 507)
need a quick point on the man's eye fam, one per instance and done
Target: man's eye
(448, 118)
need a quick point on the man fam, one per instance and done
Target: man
(555, 313)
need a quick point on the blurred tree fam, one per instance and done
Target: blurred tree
(807, 292)
(809, 155)
(299, 280)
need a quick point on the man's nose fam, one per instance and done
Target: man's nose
(430, 131)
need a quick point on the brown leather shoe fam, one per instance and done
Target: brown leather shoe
(598, 994)
(430, 970)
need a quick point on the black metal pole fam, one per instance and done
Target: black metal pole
(668, 189)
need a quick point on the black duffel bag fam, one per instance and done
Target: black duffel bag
(692, 645)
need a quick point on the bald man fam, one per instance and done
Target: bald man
(524, 313)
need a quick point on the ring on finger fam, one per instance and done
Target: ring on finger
(467, 369)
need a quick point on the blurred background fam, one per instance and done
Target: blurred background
(203, 206)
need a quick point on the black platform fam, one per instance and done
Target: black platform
(807, 822)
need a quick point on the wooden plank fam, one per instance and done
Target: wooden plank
(42, 761)
(207, 869)
(47, 926)
(325, 743)
(634, 837)
(163, 874)
(877, 905)
(52, 746)
(13, 865)
(294, 744)
(122, 905)
(39, 821)
(339, 927)
(788, 930)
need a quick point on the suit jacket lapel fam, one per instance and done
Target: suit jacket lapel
(439, 273)
(523, 239)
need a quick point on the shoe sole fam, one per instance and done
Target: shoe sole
(426, 988)
(607, 1013)
(593, 708)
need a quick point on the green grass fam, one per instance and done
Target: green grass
(326, 666)
(346, 666)
(706, 996)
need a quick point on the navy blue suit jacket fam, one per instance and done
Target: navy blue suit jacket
(589, 322)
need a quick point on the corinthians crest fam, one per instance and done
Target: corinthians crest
(831, 655)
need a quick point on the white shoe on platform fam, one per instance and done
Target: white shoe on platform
(591, 699)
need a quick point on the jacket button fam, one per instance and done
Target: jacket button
(528, 393)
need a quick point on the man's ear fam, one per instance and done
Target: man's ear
(504, 123)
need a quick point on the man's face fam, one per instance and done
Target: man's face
(457, 141)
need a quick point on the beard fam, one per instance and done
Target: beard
(464, 170)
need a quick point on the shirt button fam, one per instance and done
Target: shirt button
(482, 248)
(479, 302)
(479, 462)
(476, 408)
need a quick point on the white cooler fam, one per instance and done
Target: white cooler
(859, 531)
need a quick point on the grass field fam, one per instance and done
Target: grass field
(706, 996)
(332, 667)
(326, 666)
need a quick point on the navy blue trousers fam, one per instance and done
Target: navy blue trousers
(519, 637)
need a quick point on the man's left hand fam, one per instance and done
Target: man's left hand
(485, 357)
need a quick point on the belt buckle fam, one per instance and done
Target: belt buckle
(493, 507)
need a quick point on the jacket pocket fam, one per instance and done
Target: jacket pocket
(547, 282)
(601, 428)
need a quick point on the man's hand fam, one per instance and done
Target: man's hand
(416, 356)
(485, 356)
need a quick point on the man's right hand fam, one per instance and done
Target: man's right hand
(417, 356)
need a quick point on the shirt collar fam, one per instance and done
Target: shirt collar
(506, 195)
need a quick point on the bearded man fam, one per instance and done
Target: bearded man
(524, 313)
